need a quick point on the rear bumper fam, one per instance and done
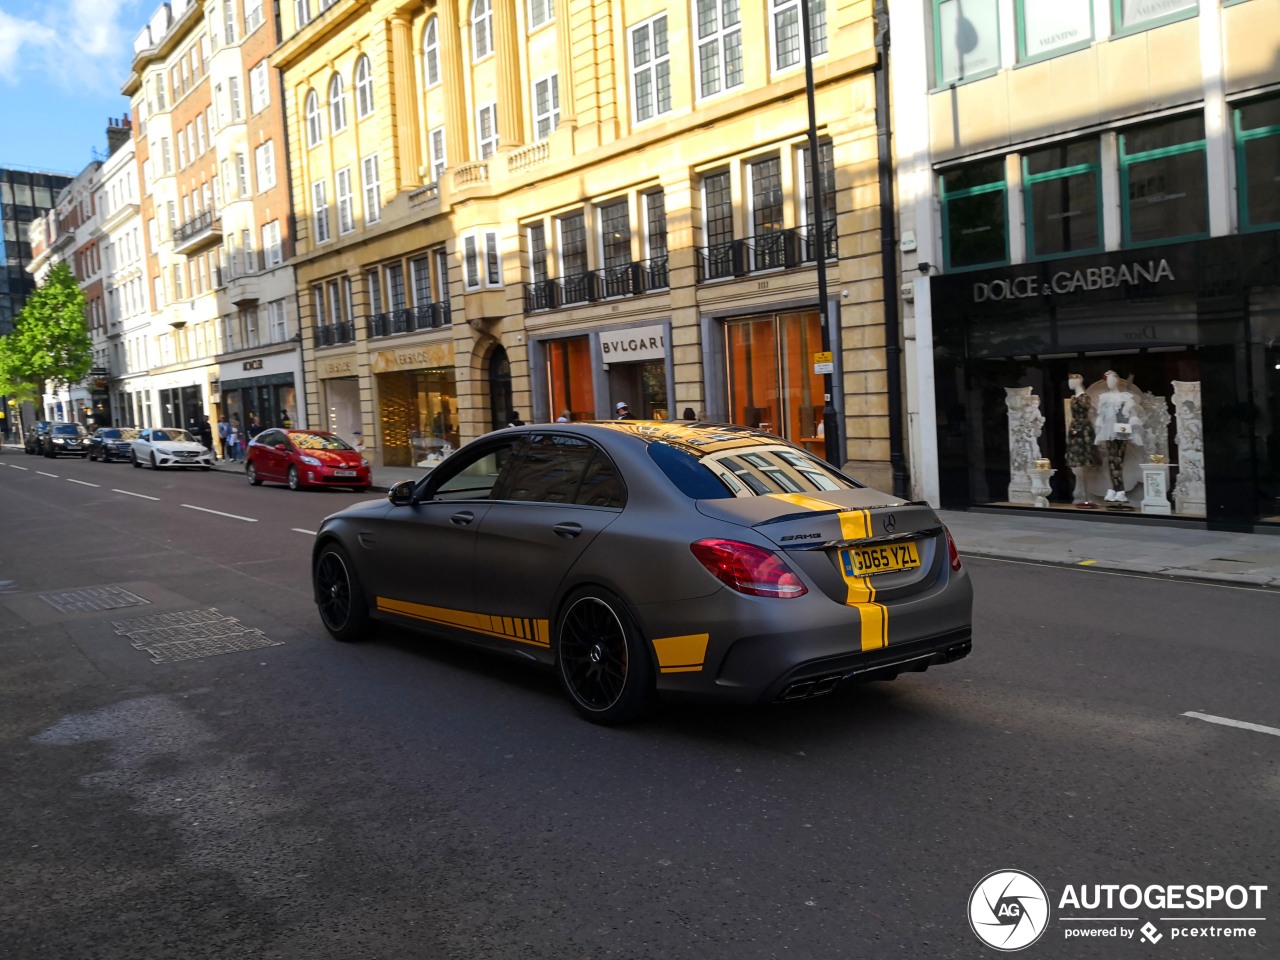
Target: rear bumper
(818, 677)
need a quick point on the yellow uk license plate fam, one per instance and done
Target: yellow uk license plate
(886, 558)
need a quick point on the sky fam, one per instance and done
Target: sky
(62, 64)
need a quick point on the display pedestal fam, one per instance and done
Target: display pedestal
(1155, 484)
(1040, 486)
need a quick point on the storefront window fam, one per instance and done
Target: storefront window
(1047, 28)
(1258, 163)
(966, 39)
(1164, 181)
(974, 215)
(1064, 199)
(772, 385)
(1141, 14)
(569, 381)
(419, 412)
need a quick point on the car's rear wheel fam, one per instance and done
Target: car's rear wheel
(601, 658)
(339, 598)
(294, 482)
(251, 472)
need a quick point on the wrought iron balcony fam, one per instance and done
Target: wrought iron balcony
(201, 231)
(775, 250)
(624, 280)
(332, 334)
(425, 316)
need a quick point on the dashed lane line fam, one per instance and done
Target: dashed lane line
(43, 474)
(300, 530)
(1227, 722)
(130, 493)
(83, 483)
(232, 516)
(15, 466)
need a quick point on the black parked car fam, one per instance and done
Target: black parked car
(33, 442)
(111, 443)
(69, 438)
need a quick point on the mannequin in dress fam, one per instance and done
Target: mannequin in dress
(1082, 452)
(1117, 423)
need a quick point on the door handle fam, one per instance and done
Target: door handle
(462, 519)
(567, 530)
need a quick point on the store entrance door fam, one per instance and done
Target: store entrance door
(643, 386)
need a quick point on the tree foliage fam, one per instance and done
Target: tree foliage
(50, 339)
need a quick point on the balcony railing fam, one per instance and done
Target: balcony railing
(425, 316)
(624, 280)
(332, 334)
(775, 250)
(202, 230)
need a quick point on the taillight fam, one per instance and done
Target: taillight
(748, 569)
(952, 552)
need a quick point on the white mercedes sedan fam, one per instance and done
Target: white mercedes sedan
(170, 447)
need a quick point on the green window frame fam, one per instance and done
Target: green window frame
(1072, 168)
(1059, 43)
(1122, 27)
(1132, 158)
(989, 10)
(1248, 139)
(965, 211)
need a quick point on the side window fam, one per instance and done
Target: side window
(270, 438)
(562, 469)
(470, 476)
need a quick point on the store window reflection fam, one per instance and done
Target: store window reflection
(772, 385)
(569, 378)
(419, 412)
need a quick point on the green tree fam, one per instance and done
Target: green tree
(50, 339)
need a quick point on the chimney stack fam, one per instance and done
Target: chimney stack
(118, 134)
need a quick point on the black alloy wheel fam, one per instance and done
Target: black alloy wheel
(602, 660)
(339, 598)
(294, 483)
(251, 473)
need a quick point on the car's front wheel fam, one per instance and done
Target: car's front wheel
(155, 464)
(294, 482)
(133, 458)
(601, 658)
(339, 598)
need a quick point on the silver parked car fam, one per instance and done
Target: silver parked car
(651, 557)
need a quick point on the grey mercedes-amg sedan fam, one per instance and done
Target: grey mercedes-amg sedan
(650, 557)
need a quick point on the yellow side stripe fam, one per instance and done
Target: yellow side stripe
(684, 654)
(533, 632)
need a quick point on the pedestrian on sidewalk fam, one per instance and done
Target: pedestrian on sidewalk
(224, 431)
(233, 439)
(206, 435)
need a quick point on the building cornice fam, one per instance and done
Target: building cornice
(327, 25)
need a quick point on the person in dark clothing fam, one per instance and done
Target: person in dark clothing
(623, 411)
(513, 419)
(206, 435)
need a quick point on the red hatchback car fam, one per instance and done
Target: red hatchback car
(306, 458)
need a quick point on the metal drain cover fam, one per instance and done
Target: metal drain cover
(191, 634)
(92, 598)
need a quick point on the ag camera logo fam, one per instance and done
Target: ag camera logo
(1008, 910)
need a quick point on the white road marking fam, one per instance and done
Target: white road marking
(43, 474)
(232, 516)
(300, 530)
(129, 493)
(16, 467)
(83, 483)
(1227, 722)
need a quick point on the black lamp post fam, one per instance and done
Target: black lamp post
(830, 423)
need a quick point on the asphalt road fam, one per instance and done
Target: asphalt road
(404, 798)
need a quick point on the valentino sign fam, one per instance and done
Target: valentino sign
(1073, 281)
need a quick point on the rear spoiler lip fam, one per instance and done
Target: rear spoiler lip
(920, 534)
(803, 514)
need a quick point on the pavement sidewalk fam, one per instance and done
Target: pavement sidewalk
(1135, 546)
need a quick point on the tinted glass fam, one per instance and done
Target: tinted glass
(110, 434)
(171, 434)
(1167, 197)
(472, 475)
(976, 230)
(67, 429)
(1158, 136)
(318, 441)
(1064, 214)
(1262, 166)
(1260, 114)
(270, 438)
(1060, 158)
(973, 175)
(551, 470)
(744, 473)
(601, 486)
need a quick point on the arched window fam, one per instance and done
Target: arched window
(431, 53)
(364, 88)
(481, 28)
(337, 105)
(315, 120)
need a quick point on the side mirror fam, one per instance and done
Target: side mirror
(281, 447)
(401, 495)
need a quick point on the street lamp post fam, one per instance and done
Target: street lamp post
(830, 423)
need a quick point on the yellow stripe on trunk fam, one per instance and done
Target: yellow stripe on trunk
(856, 525)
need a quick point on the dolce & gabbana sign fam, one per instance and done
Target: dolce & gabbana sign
(1065, 282)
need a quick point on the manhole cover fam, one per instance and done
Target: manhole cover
(191, 634)
(92, 598)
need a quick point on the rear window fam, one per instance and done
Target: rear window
(750, 472)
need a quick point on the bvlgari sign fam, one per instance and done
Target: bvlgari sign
(1074, 281)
